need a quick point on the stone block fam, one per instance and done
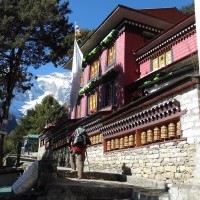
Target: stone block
(169, 175)
(170, 169)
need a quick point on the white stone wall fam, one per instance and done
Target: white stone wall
(184, 192)
(190, 122)
(171, 161)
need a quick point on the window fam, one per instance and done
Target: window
(94, 69)
(78, 111)
(111, 54)
(92, 103)
(162, 60)
(108, 91)
(82, 78)
(168, 57)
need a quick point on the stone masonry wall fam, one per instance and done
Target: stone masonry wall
(190, 122)
(171, 161)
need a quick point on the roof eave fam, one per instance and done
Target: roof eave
(112, 21)
(165, 35)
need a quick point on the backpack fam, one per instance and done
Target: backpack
(79, 138)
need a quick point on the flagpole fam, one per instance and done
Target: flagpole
(76, 72)
(71, 109)
(75, 30)
(197, 13)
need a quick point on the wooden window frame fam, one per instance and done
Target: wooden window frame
(162, 60)
(78, 111)
(94, 69)
(82, 78)
(111, 48)
(111, 94)
(92, 106)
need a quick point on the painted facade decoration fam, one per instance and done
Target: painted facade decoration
(139, 99)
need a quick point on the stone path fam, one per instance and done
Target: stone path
(102, 185)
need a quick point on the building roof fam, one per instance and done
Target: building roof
(166, 35)
(32, 136)
(163, 13)
(117, 16)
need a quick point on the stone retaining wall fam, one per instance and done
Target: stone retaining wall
(171, 161)
(174, 161)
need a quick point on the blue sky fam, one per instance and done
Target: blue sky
(90, 13)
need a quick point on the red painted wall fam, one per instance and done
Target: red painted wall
(133, 40)
(179, 51)
(126, 43)
(185, 47)
(145, 68)
(119, 85)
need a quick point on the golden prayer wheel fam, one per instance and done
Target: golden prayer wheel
(163, 132)
(116, 143)
(126, 141)
(156, 134)
(97, 139)
(149, 136)
(172, 130)
(101, 138)
(143, 138)
(178, 129)
(121, 143)
(91, 139)
(108, 145)
(131, 141)
(94, 139)
(112, 144)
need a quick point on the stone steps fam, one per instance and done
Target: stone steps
(104, 185)
(84, 189)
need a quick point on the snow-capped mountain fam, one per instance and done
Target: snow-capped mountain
(56, 84)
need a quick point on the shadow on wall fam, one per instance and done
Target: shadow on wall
(126, 170)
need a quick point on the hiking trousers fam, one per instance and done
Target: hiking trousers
(77, 159)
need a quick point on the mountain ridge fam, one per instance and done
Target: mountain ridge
(56, 84)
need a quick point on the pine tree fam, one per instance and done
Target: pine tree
(49, 111)
(188, 9)
(32, 33)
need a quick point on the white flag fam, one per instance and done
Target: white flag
(76, 75)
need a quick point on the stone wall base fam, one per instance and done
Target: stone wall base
(184, 192)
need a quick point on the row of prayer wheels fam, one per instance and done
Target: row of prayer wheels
(60, 143)
(96, 139)
(120, 143)
(161, 133)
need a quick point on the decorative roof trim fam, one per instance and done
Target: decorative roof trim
(154, 113)
(144, 26)
(166, 42)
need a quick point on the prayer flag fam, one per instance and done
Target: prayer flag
(76, 75)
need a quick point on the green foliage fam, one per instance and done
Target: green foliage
(89, 57)
(109, 38)
(111, 74)
(11, 140)
(32, 33)
(9, 145)
(188, 9)
(84, 34)
(49, 111)
(37, 31)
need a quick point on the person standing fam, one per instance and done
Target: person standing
(78, 142)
